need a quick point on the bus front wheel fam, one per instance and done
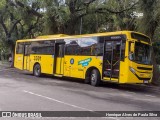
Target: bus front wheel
(37, 70)
(95, 77)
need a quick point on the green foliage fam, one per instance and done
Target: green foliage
(21, 19)
(150, 21)
(156, 47)
(55, 16)
(2, 3)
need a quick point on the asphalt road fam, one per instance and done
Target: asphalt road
(21, 91)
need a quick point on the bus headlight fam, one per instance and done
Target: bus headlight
(132, 70)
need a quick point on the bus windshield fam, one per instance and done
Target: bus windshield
(142, 54)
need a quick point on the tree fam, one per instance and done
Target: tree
(151, 18)
(121, 10)
(19, 19)
(149, 24)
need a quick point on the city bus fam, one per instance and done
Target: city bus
(122, 57)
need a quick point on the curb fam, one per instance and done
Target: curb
(141, 86)
(153, 87)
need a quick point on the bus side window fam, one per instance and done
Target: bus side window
(20, 48)
(123, 50)
(72, 47)
(27, 49)
(43, 47)
(60, 50)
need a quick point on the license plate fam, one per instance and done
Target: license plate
(146, 81)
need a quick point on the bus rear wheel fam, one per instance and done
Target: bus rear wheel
(95, 78)
(37, 70)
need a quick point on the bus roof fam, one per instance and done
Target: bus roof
(51, 36)
(64, 36)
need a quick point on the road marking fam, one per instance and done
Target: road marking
(125, 95)
(150, 96)
(65, 103)
(114, 118)
(57, 101)
(131, 92)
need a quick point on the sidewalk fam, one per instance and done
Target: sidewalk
(156, 87)
(4, 64)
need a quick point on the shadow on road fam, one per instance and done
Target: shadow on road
(77, 83)
(80, 83)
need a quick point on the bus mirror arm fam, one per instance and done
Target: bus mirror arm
(122, 59)
(131, 47)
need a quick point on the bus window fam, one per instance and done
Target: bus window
(42, 47)
(60, 49)
(84, 46)
(20, 48)
(123, 50)
(72, 47)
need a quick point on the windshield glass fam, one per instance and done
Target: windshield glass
(142, 54)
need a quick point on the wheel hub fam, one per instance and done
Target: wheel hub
(93, 77)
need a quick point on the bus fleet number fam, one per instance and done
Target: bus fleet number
(37, 58)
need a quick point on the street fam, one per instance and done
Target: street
(21, 91)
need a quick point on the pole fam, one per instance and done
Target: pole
(81, 26)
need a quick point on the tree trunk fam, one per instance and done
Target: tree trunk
(156, 72)
(12, 55)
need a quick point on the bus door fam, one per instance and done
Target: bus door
(18, 58)
(26, 57)
(111, 60)
(59, 58)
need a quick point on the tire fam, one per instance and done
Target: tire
(37, 70)
(87, 79)
(95, 78)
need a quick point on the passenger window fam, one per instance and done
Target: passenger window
(20, 48)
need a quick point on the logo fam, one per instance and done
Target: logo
(136, 14)
(6, 114)
(85, 62)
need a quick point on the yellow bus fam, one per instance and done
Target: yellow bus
(122, 57)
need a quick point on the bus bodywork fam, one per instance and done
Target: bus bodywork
(120, 57)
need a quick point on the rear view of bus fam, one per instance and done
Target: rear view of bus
(135, 66)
